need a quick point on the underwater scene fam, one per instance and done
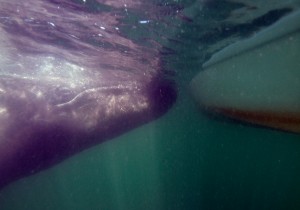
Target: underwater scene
(149, 104)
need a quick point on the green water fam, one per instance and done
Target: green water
(182, 161)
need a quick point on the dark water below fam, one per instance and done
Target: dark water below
(184, 160)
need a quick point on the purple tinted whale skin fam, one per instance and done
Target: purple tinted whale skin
(69, 80)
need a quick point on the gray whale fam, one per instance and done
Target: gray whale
(69, 80)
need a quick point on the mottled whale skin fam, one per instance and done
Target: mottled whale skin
(69, 80)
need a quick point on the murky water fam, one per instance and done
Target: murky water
(185, 159)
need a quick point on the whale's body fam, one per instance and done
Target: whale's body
(68, 81)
